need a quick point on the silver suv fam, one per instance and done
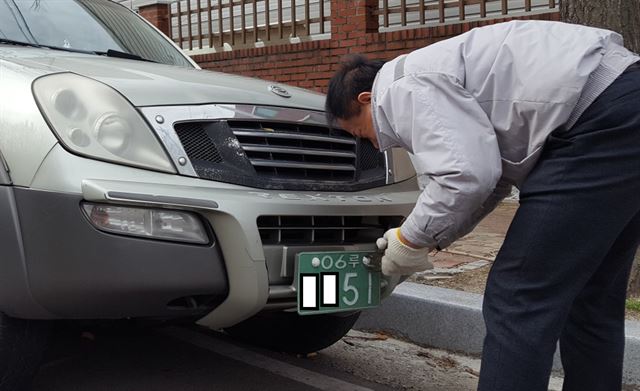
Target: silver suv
(135, 185)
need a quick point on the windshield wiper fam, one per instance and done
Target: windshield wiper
(125, 55)
(37, 45)
(108, 53)
(18, 43)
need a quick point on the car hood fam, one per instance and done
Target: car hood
(150, 84)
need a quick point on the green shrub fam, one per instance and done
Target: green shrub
(633, 304)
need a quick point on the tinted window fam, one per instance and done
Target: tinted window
(87, 25)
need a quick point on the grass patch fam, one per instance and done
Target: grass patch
(634, 305)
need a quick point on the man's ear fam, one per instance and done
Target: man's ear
(364, 98)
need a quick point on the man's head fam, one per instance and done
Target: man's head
(349, 96)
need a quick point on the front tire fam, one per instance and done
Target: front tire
(22, 346)
(292, 333)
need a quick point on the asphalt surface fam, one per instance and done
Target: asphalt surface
(193, 359)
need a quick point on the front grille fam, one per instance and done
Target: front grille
(297, 151)
(370, 157)
(281, 155)
(196, 143)
(324, 230)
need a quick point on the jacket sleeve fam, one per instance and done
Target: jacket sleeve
(502, 190)
(456, 146)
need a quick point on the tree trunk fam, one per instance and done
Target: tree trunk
(622, 16)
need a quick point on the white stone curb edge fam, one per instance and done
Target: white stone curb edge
(452, 320)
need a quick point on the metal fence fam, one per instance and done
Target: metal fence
(206, 24)
(399, 14)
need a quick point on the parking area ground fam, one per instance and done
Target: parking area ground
(191, 359)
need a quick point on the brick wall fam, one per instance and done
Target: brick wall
(311, 64)
(158, 14)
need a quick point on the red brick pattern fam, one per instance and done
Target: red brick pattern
(353, 30)
(159, 15)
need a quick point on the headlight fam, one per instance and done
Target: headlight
(94, 120)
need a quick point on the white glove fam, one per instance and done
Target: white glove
(400, 259)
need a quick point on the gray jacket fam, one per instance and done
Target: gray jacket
(476, 110)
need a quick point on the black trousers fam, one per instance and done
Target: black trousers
(562, 272)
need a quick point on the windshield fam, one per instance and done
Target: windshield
(85, 25)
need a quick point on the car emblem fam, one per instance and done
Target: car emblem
(279, 91)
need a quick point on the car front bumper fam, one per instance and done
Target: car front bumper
(75, 271)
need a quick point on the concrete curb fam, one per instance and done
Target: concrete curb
(425, 314)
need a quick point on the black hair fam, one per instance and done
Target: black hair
(356, 75)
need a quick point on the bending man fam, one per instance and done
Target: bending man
(553, 109)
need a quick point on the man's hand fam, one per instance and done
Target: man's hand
(401, 258)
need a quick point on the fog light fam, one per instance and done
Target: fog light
(149, 223)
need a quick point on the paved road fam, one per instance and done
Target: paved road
(191, 359)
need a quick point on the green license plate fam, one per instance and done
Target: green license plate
(335, 282)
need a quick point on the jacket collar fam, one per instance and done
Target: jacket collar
(384, 132)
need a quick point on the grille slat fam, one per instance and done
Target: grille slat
(296, 151)
(293, 136)
(319, 230)
(309, 166)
